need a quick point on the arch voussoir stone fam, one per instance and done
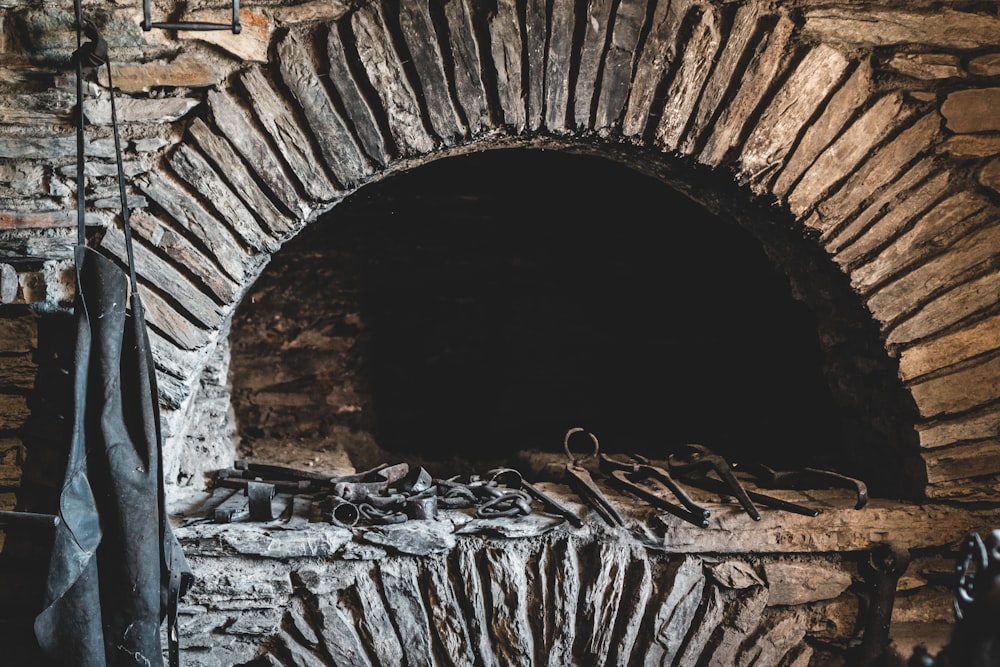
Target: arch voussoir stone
(688, 81)
(400, 105)
(229, 165)
(727, 74)
(341, 153)
(589, 60)
(618, 63)
(235, 124)
(843, 157)
(772, 54)
(425, 50)
(292, 143)
(789, 111)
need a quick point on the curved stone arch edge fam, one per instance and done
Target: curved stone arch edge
(718, 192)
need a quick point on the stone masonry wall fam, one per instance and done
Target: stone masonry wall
(870, 125)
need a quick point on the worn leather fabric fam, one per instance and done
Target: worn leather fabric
(115, 565)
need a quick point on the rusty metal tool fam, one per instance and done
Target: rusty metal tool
(694, 463)
(808, 478)
(512, 478)
(637, 477)
(884, 565)
(723, 488)
(640, 469)
(624, 481)
(581, 481)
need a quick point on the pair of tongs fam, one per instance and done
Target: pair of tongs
(639, 477)
(693, 464)
(580, 480)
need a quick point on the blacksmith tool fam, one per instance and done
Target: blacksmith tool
(513, 479)
(28, 519)
(638, 475)
(693, 470)
(884, 565)
(580, 480)
(807, 478)
(340, 512)
(694, 463)
(260, 495)
(453, 494)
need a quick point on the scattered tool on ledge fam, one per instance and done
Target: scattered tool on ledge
(807, 478)
(638, 475)
(693, 465)
(580, 480)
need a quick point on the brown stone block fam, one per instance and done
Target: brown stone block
(986, 65)
(856, 26)
(972, 110)
(927, 66)
(37, 219)
(979, 338)
(971, 145)
(250, 44)
(907, 293)
(980, 424)
(965, 389)
(989, 175)
(318, 10)
(184, 71)
(852, 149)
(964, 300)
(976, 459)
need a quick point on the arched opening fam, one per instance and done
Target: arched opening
(481, 305)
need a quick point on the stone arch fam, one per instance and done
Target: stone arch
(800, 107)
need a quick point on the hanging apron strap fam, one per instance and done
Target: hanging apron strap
(109, 555)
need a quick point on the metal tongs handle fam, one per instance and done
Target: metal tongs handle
(580, 480)
(696, 462)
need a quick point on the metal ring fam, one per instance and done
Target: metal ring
(569, 454)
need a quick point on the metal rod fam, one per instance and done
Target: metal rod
(29, 519)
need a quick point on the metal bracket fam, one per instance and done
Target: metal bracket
(148, 24)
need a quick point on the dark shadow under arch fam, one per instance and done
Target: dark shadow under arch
(489, 302)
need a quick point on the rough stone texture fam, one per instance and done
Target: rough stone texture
(938, 274)
(505, 40)
(589, 60)
(559, 602)
(934, 291)
(288, 136)
(417, 26)
(689, 79)
(725, 77)
(946, 309)
(400, 104)
(769, 57)
(892, 162)
(946, 28)
(336, 144)
(843, 157)
(791, 583)
(972, 110)
(989, 175)
(465, 54)
(792, 107)
(185, 71)
(618, 62)
(818, 135)
(655, 60)
(927, 65)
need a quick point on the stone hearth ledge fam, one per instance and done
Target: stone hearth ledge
(838, 528)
